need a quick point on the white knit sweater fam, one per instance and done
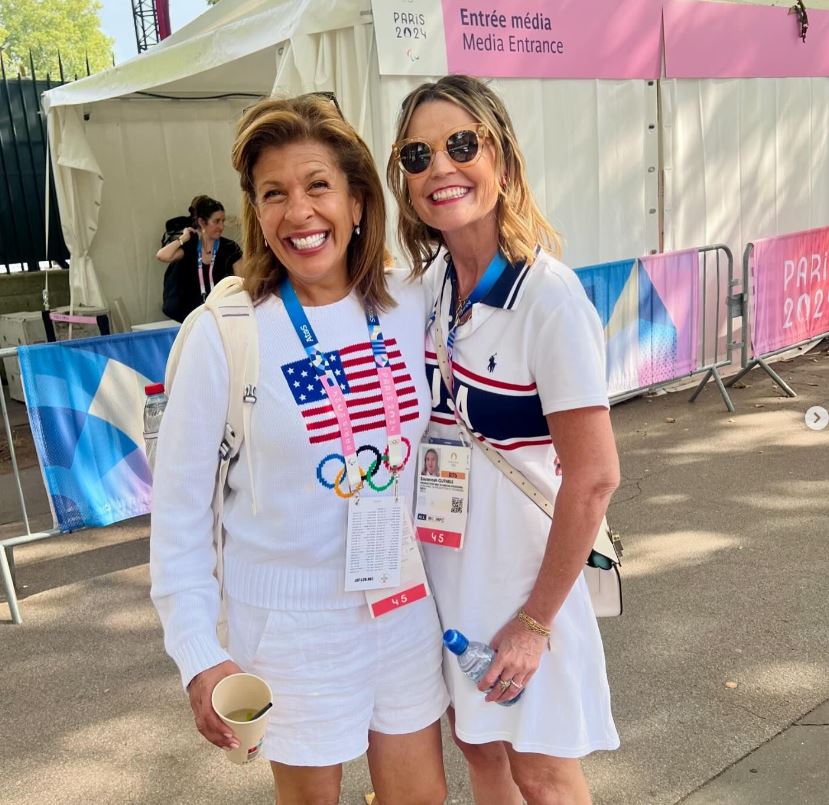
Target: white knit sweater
(290, 555)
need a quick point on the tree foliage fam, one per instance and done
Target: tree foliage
(46, 27)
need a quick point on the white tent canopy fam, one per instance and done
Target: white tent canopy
(126, 159)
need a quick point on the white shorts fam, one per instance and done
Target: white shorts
(336, 674)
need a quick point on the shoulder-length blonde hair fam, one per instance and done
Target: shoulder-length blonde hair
(521, 224)
(276, 122)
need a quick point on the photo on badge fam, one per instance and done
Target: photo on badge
(442, 493)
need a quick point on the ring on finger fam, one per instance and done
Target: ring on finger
(516, 684)
(504, 683)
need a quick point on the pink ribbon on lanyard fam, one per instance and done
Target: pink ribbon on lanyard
(391, 406)
(201, 268)
(338, 403)
(333, 391)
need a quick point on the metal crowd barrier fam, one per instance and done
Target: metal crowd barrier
(8, 544)
(718, 260)
(712, 367)
(749, 361)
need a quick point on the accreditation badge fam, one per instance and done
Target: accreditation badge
(442, 493)
(413, 585)
(373, 542)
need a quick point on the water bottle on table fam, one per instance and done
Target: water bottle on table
(153, 411)
(474, 658)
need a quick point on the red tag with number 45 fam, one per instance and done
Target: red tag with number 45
(413, 585)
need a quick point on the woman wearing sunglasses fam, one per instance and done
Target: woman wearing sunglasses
(525, 355)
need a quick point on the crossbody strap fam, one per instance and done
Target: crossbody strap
(605, 544)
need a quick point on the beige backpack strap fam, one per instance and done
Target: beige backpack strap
(240, 336)
(233, 311)
(232, 308)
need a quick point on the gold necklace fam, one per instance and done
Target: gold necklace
(460, 306)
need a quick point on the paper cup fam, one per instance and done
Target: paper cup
(235, 698)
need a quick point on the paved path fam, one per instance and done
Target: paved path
(716, 667)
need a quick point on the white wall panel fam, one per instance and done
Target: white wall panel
(155, 156)
(744, 159)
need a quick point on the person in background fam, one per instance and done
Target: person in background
(197, 259)
(528, 372)
(344, 683)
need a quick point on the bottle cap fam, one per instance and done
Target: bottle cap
(154, 388)
(455, 641)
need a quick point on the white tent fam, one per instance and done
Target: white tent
(131, 146)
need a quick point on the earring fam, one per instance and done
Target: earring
(357, 230)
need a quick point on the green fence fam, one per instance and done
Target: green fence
(23, 175)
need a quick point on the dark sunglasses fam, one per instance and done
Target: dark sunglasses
(463, 146)
(328, 96)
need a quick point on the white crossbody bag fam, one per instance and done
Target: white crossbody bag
(602, 570)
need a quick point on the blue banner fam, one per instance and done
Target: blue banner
(613, 288)
(649, 308)
(86, 407)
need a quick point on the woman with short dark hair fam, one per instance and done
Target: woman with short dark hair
(341, 405)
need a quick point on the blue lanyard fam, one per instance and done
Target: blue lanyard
(493, 273)
(308, 337)
(201, 267)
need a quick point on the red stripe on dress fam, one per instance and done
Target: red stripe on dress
(515, 445)
(488, 381)
(441, 421)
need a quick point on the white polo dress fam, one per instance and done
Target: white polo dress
(533, 346)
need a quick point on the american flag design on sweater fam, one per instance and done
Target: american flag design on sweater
(355, 370)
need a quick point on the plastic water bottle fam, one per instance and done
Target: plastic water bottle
(153, 411)
(474, 658)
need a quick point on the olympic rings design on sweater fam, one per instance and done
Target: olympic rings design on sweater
(368, 476)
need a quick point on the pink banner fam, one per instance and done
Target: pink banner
(544, 39)
(673, 315)
(790, 285)
(730, 40)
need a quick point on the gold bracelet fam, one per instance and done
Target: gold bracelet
(533, 625)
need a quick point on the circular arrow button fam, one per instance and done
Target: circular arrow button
(817, 418)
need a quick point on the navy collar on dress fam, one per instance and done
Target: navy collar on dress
(506, 292)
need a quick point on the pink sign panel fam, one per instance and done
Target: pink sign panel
(790, 290)
(731, 40)
(671, 306)
(544, 39)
